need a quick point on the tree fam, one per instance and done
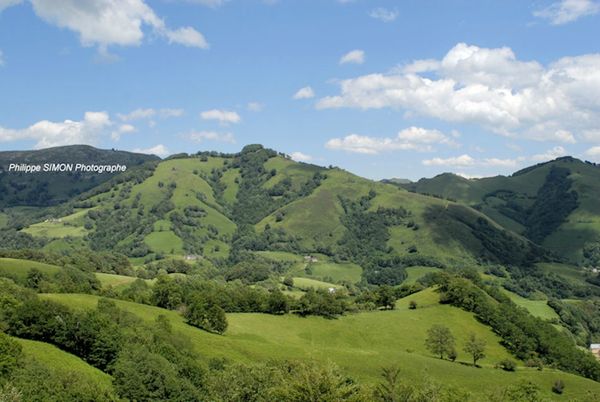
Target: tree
(386, 297)
(440, 340)
(207, 315)
(277, 303)
(475, 347)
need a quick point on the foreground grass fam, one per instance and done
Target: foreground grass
(18, 269)
(361, 344)
(57, 360)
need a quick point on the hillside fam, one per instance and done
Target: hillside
(51, 188)
(210, 207)
(553, 204)
(249, 258)
(361, 344)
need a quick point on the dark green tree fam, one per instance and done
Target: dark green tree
(440, 340)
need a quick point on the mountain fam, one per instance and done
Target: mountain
(51, 188)
(215, 206)
(554, 204)
(204, 275)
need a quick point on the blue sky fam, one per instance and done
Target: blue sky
(380, 88)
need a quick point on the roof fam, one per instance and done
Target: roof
(595, 346)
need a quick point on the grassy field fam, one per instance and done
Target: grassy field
(58, 360)
(307, 283)
(70, 225)
(416, 273)
(337, 272)
(18, 269)
(538, 308)
(115, 281)
(3, 220)
(361, 344)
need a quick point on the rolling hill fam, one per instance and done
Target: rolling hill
(553, 204)
(51, 188)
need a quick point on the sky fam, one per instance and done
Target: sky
(381, 88)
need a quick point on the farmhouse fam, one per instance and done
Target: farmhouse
(595, 349)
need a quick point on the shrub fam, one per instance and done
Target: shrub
(507, 365)
(558, 386)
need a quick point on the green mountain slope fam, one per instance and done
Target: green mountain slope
(210, 207)
(361, 344)
(553, 204)
(50, 188)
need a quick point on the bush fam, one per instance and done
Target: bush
(507, 365)
(558, 386)
(412, 305)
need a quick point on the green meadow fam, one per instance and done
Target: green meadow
(360, 343)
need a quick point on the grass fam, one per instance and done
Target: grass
(537, 308)
(337, 272)
(416, 273)
(361, 343)
(280, 256)
(57, 360)
(3, 220)
(115, 281)
(165, 242)
(68, 226)
(307, 283)
(18, 269)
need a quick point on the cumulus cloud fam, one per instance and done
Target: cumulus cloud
(158, 150)
(104, 23)
(488, 87)
(565, 11)
(353, 57)
(412, 138)
(201, 136)
(304, 93)
(147, 113)
(122, 129)
(255, 106)
(300, 157)
(383, 14)
(68, 132)
(222, 116)
(8, 3)
(593, 151)
(462, 161)
(550, 154)
(466, 161)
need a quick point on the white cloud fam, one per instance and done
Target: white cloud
(593, 151)
(300, 157)
(201, 136)
(112, 22)
(8, 3)
(255, 106)
(355, 57)
(141, 114)
(488, 87)
(467, 161)
(497, 162)
(565, 11)
(158, 150)
(412, 138)
(383, 14)
(187, 36)
(123, 129)
(550, 154)
(462, 161)
(222, 116)
(68, 132)
(304, 93)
